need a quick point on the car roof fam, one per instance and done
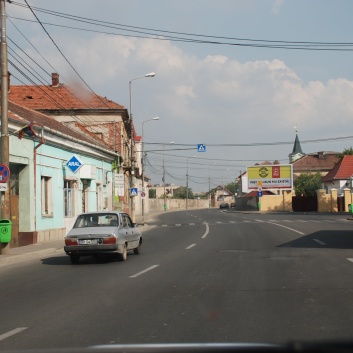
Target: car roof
(102, 212)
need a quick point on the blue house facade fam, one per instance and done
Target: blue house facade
(54, 176)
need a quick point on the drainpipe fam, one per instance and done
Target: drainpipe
(35, 175)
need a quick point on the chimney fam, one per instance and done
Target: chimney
(55, 79)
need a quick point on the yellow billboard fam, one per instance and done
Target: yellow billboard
(279, 176)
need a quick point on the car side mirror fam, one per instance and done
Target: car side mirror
(135, 225)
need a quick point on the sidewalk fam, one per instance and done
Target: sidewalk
(14, 255)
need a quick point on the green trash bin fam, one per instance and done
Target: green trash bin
(350, 208)
(5, 230)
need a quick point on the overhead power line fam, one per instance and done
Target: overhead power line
(160, 34)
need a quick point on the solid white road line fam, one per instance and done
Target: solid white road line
(320, 242)
(207, 231)
(293, 230)
(144, 271)
(12, 332)
(190, 246)
(350, 259)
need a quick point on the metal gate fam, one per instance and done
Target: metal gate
(304, 203)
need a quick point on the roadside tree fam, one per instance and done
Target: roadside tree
(306, 184)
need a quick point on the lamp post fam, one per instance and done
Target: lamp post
(187, 179)
(132, 166)
(223, 181)
(143, 167)
(165, 202)
(209, 185)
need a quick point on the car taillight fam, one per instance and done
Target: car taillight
(70, 241)
(110, 240)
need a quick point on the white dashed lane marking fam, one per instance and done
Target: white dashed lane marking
(12, 332)
(320, 242)
(144, 271)
(190, 246)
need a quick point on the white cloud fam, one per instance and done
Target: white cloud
(215, 99)
(276, 6)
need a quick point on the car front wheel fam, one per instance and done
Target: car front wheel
(137, 250)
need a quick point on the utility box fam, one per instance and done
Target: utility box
(5, 230)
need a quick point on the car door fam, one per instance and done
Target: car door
(134, 233)
(123, 230)
(126, 230)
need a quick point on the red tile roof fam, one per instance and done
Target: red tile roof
(256, 193)
(341, 171)
(25, 116)
(318, 161)
(61, 97)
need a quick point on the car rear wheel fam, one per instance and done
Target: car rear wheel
(75, 259)
(137, 250)
(123, 255)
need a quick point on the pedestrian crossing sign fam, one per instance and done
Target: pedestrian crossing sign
(133, 191)
(201, 147)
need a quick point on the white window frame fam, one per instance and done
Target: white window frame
(69, 200)
(46, 196)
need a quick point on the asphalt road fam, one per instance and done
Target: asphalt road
(202, 276)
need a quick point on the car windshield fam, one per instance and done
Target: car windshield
(96, 220)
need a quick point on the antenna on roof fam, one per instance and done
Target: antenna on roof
(296, 128)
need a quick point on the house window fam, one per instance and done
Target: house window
(47, 208)
(69, 189)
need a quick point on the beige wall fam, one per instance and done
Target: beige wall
(327, 202)
(177, 204)
(348, 199)
(279, 203)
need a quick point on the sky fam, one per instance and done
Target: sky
(243, 101)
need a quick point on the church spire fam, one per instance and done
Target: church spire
(297, 150)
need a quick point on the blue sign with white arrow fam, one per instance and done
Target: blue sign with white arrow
(74, 164)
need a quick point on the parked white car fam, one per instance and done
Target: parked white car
(102, 232)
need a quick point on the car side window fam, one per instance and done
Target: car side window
(128, 221)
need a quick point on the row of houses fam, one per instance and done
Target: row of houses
(70, 151)
(337, 183)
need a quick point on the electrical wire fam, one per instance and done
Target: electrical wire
(159, 34)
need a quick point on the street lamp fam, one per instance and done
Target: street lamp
(209, 184)
(223, 181)
(132, 204)
(165, 202)
(187, 179)
(143, 167)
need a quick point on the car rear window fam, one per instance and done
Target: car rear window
(97, 220)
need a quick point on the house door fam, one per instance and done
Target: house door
(14, 202)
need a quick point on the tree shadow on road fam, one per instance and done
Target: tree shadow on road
(323, 239)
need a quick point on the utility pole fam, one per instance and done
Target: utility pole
(5, 159)
(132, 138)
